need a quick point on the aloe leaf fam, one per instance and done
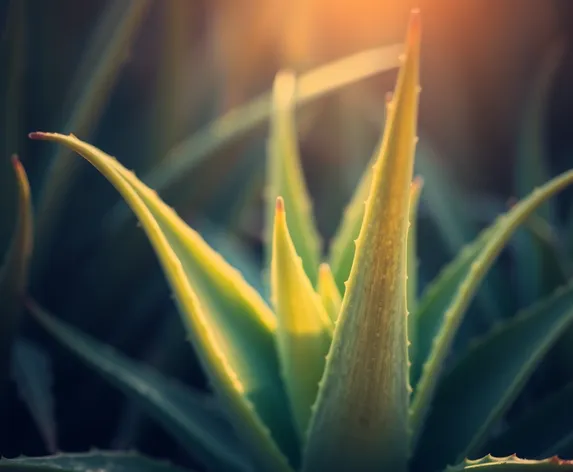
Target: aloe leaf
(540, 428)
(361, 414)
(412, 266)
(531, 171)
(489, 377)
(193, 419)
(304, 330)
(286, 179)
(231, 327)
(239, 122)
(328, 291)
(495, 239)
(14, 273)
(513, 464)
(31, 371)
(343, 245)
(96, 76)
(100, 461)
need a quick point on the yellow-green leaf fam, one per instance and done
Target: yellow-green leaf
(513, 464)
(493, 240)
(304, 329)
(412, 266)
(361, 415)
(286, 179)
(14, 273)
(232, 329)
(328, 291)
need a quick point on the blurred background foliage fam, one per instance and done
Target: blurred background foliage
(138, 78)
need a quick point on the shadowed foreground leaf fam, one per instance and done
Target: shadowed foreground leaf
(489, 377)
(361, 414)
(513, 464)
(92, 461)
(231, 327)
(193, 419)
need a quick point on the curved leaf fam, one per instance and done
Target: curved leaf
(496, 238)
(328, 291)
(514, 464)
(91, 461)
(14, 272)
(229, 324)
(304, 329)
(361, 414)
(286, 179)
(194, 420)
(483, 384)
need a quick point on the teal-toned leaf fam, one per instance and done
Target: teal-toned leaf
(231, 327)
(343, 245)
(360, 420)
(31, 370)
(286, 179)
(238, 122)
(513, 464)
(489, 377)
(531, 170)
(540, 428)
(14, 272)
(109, 47)
(412, 266)
(495, 239)
(304, 329)
(91, 461)
(194, 420)
(328, 291)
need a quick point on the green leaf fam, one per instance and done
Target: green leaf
(193, 419)
(488, 378)
(530, 172)
(231, 327)
(286, 179)
(412, 265)
(31, 371)
(328, 291)
(342, 248)
(304, 329)
(238, 122)
(514, 464)
(14, 273)
(361, 415)
(91, 461)
(109, 47)
(495, 239)
(540, 428)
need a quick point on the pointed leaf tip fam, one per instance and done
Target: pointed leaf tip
(280, 205)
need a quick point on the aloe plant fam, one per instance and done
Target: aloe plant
(326, 380)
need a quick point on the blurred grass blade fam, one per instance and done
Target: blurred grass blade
(238, 122)
(192, 418)
(412, 266)
(286, 179)
(31, 371)
(231, 328)
(14, 272)
(497, 238)
(328, 291)
(513, 464)
(531, 171)
(489, 377)
(304, 329)
(361, 414)
(91, 461)
(343, 245)
(108, 50)
(540, 428)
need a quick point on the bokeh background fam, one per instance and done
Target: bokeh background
(182, 63)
